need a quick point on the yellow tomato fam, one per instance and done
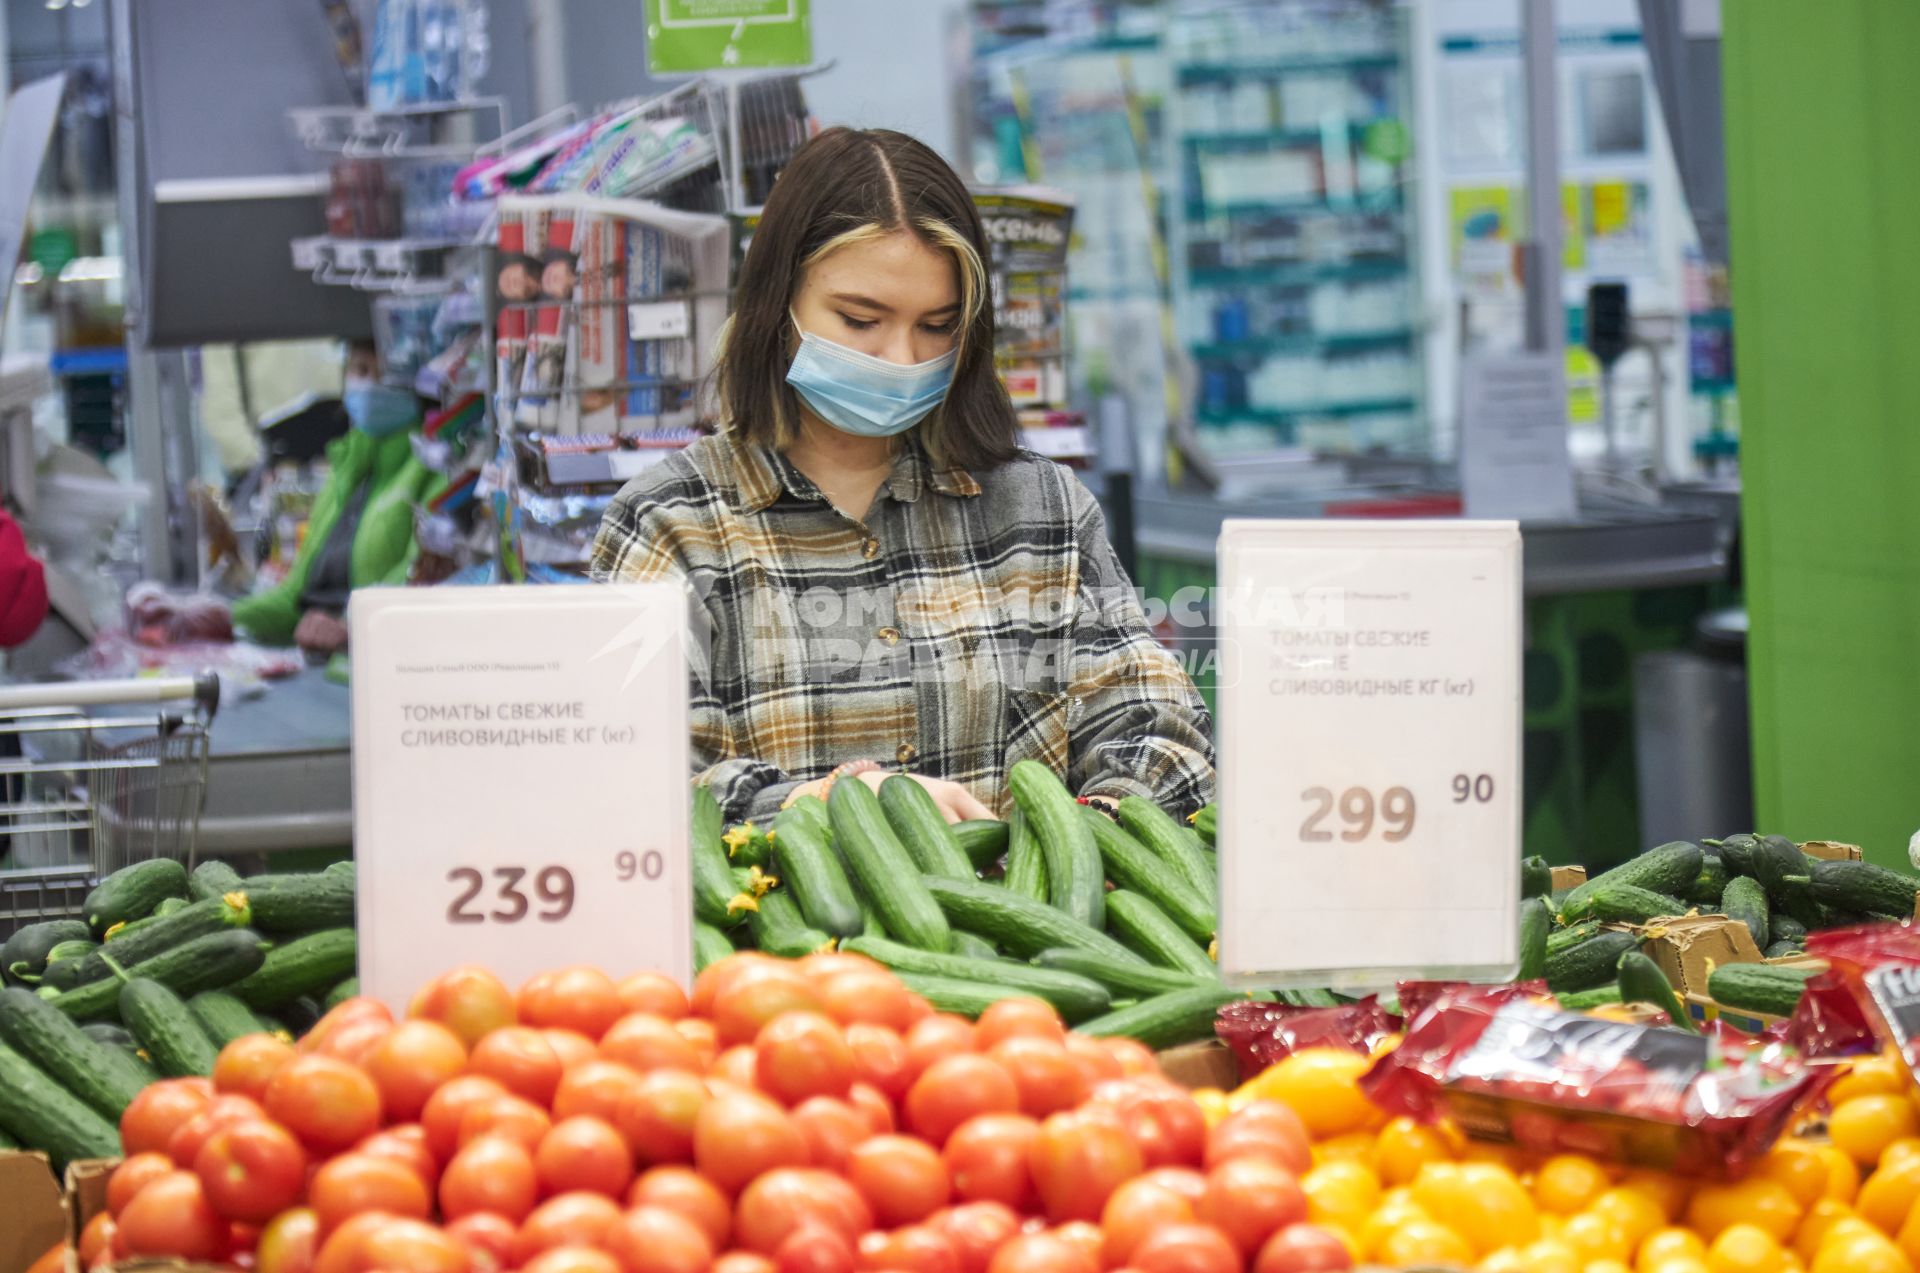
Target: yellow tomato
(1679, 1264)
(1606, 1266)
(1322, 1086)
(1800, 1166)
(1869, 1076)
(1341, 1193)
(1404, 1147)
(1866, 1125)
(1745, 1248)
(1765, 1203)
(1566, 1183)
(1508, 1259)
(1213, 1104)
(1634, 1213)
(1820, 1219)
(1550, 1255)
(1386, 1219)
(1595, 1237)
(1909, 1237)
(1507, 1156)
(1421, 1242)
(1905, 1147)
(1843, 1175)
(1668, 1190)
(1889, 1194)
(1493, 1209)
(1670, 1244)
(1861, 1253)
(1352, 1147)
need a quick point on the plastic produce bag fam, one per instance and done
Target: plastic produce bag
(1870, 992)
(1262, 1034)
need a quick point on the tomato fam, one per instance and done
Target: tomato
(1042, 1253)
(598, 1088)
(571, 1046)
(354, 1184)
(652, 992)
(245, 1066)
(931, 1040)
(172, 1216)
(1096, 1061)
(738, 1065)
(508, 1116)
(222, 1111)
(52, 1260)
(976, 1230)
(343, 1250)
(577, 998)
(327, 1103)
(1185, 1181)
(832, 1128)
(353, 1041)
(1078, 1160)
(584, 1153)
(406, 1144)
(901, 1177)
(658, 1116)
(644, 1042)
(742, 1262)
(657, 1240)
(1265, 1128)
(410, 1064)
(757, 997)
(1163, 1119)
(1251, 1198)
(740, 1135)
(447, 1107)
(918, 1248)
(879, 1057)
(96, 1239)
(1132, 1056)
(150, 1121)
(1303, 1248)
(288, 1243)
(492, 1174)
(1047, 1076)
(357, 1009)
(469, 1001)
(1186, 1248)
(715, 977)
(869, 996)
(570, 1219)
(413, 1245)
(775, 1206)
(685, 1190)
(803, 1054)
(1134, 1210)
(133, 1174)
(815, 1248)
(1018, 1018)
(876, 1107)
(951, 1091)
(487, 1237)
(573, 1259)
(987, 1157)
(700, 1032)
(251, 1170)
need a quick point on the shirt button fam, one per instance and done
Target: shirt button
(870, 549)
(905, 753)
(890, 635)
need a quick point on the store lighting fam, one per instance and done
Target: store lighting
(56, 4)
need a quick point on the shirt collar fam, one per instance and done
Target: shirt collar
(761, 474)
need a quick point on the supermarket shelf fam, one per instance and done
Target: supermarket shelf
(1286, 415)
(392, 134)
(1295, 275)
(88, 362)
(1340, 342)
(1230, 72)
(1247, 139)
(1387, 200)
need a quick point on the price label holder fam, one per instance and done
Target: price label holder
(1369, 742)
(520, 781)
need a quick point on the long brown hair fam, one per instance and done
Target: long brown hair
(844, 186)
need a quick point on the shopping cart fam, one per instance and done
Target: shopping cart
(95, 775)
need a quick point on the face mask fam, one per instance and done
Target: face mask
(378, 409)
(858, 393)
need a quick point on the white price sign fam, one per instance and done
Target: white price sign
(520, 781)
(1369, 744)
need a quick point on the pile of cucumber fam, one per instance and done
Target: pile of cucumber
(1111, 922)
(163, 969)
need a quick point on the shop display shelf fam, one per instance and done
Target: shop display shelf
(1287, 415)
(1297, 275)
(1331, 342)
(360, 132)
(1367, 204)
(1228, 72)
(1258, 138)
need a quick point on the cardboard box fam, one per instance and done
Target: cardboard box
(1689, 947)
(1207, 1064)
(32, 1215)
(1568, 877)
(1831, 850)
(85, 1188)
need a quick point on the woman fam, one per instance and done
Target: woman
(885, 580)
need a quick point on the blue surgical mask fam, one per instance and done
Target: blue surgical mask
(378, 409)
(858, 393)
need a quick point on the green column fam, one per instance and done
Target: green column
(1822, 117)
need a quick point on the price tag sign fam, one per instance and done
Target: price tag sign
(520, 781)
(1369, 742)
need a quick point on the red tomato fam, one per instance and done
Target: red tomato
(577, 998)
(1133, 1057)
(823, 965)
(740, 1135)
(756, 997)
(781, 1202)
(328, 1104)
(571, 1046)
(447, 1107)
(1018, 1018)
(988, 1159)
(644, 1042)
(469, 1001)
(902, 1178)
(172, 1216)
(1185, 1181)
(289, 1242)
(354, 1040)
(1251, 1198)
(832, 1128)
(406, 1144)
(1303, 1248)
(877, 1108)
(1186, 1248)
(685, 1190)
(815, 1248)
(410, 1063)
(934, 1039)
(656, 1240)
(245, 1066)
(360, 1008)
(52, 1260)
(1264, 1128)
(721, 973)
(487, 1237)
(150, 1121)
(251, 1170)
(97, 1239)
(870, 996)
(573, 1259)
(598, 1088)
(355, 1184)
(976, 1230)
(133, 1175)
(700, 1032)
(802, 1054)
(658, 1116)
(492, 1174)
(413, 1245)
(1163, 1119)
(918, 1248)
(343, 1250)
(222, 1111)
(1098, 1063)
(951, 1091)
(505, 1116)
(572, 1219)
(653, 992)
(1086, 1235)
(1078, 1160)
(584, 1153)
(1048, 1077)
(742, 1262)
(737, 1065)
(879, 1058)
(1134, 1210)
(1042, 1253)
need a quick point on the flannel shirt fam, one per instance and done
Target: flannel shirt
(968, 621)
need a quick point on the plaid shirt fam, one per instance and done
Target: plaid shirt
(966, 622)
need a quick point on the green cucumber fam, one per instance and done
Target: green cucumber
(1148, 823)
(39, 1113)
(1787, 928)
(304, 966)
(1573, 935)
(972, 945)
(1862, 886)
(213, 878)
(1132, 866)
(300, 1015)
(344, 989)
(1535, 921)
(1166, 1020)
(779, 928)
(1536, 877)
(132, 892)
(1020, 925)
(302, 903)
(1670, 869)
(747, 845)
(1736, 852)
(1134, 979)
(1205, 822)
(1074, 996)
(923, 829)
(224, 1017)
(1076, 882)
(1137, 922)
(1745, 899)
(1585, 1000)
(1026, 864)
(1779, 864)
(205, 963)
(709, 944)
(130, 945)
(712, 881)
(111, 1033)
(884, 869)
(1308, 998)
(100, 1074)
(1783, 949)
(962, 998)
(1769, 988)
(167, 1029)
(1641, 981)
(1631, 904)
(983, 840)
(1589, 963)
(1711, 882)
(811, 870)
(814, 810)
(64, 963)
(24, 956)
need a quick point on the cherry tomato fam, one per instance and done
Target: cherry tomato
(492, 1174)
(738, 1065)
(251, 1170)
(901, 1177)
(1134, 1210)
(573, 1259)
(1250, 1198)
(413, 1245)
(1133, 1057)
(832, 1128)
(1186, 1248)
(1086, 1235)
(1018, 1018)
(976, 1230)
(1163, 1119)
(658, 1116)
(1185, 1181)
(172, 1216)
(357, 1009)
(571, 1219)
(150, 1121)
(571, 1046)
(1047, 1076)
(487, 1237)
(355, 1184)
(685, 1190)
(328, 1104)
(469, 1001)
(653, 992)
(411, 1063)
(1303, 1248)
(222, 1111)
(700, 1032)
(987, 1157)
(289, 1242)
(871, 996)
(96, 1239)
(952, 1090)
(355, 1039)
(756, 997)
(644, 1042)
(598, 1088)
(742, 1262)
(917, 1248)
(775, 1206)
(1095, 1060)
(506, 1116)
(719, 974)
(934, 1039)
(814, 1248)
(1042, 1253)
(577, 998)
(1078, 1160)
(1264, 1128)
(740, 1135)
(447, 1107)
(406, 1144)
(656, 1240)
(344, 1250)
(584, 1153)
(133, 1175)
(802, 1054)
(245, 1066)
(879, 1058)
(877, 1108)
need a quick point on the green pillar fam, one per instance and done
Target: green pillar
(1822, 117)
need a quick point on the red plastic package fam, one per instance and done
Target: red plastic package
(1516, 1070)
(1263, 1033)
(1869, 994)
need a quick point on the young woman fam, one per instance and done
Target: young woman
(885, 581)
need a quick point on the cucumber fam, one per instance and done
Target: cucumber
(213, 878)
(1020, 925)
(64, 963)
(111, 1033)
(1076, 882)
(1583, 1000)
(983, 840)
(962, 998)
(100, 1074)
(1135, 979)
(343, 990)
(1589, 963)
(811, 870)
(1711, 882)
(779, 928)
(1670, 869)
(133, 944)
(1536, 877)
(1075, 997)
(1783, 948)
(1026, 865)
(814, 810)
(709, 944)
(300, 903)
(1148, 823)
(1862, 886)
(224, 1017)
(1205, 822)
(1779, 864)
(971, 945)
(132, 892)
(1534, 924)
(1736, 853)
(1768, 988)
(923, 829)
(1745, 899)
(712, 882)
(1641, 981)
(167, 1029)
(885, 871)
(299, 1015)
(1629, 903)
(24, 956)
(1787, 928)
(205, 963)
(1132, 866)
(1136, 921)
(1561, 938)
(303, 966)
(1178, 1016)
(1308, 998)
(39, 1113)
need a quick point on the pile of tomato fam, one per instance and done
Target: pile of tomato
(785, 1117)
